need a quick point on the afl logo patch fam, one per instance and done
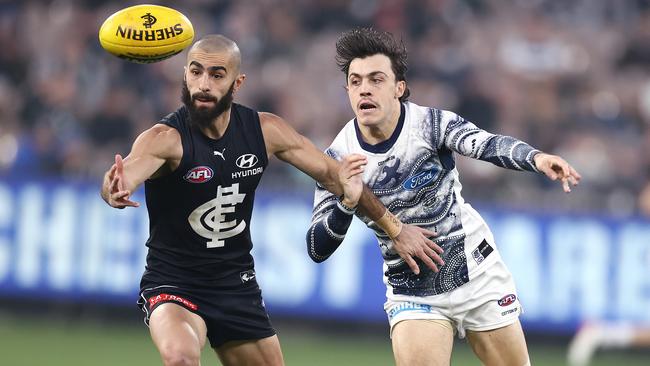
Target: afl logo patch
(199, 174)
(246, 161)
(507, 300)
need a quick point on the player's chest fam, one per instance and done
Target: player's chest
(224, 164)
(409, 167)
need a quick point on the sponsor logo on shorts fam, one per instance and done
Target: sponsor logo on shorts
(507, 300)
(199, 174)
(510, 311)
(481, 252)
(247, 276)
(167, 297)
(408, 306)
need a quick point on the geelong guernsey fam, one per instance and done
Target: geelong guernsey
(414, 175)
(200, 215)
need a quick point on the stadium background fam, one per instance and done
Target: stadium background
(570, 77)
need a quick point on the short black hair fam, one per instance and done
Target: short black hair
(366, 42)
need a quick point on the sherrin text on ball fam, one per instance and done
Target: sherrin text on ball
(146, 33)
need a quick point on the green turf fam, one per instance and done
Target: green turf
(26, 342)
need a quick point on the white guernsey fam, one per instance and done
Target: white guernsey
(405, 153)
(414, 175)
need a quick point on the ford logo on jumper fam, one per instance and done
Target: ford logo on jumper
(419, 180)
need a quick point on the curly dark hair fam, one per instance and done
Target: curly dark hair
(365, 42)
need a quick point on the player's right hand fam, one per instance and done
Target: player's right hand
(414, 242)
(113, 190)
(350, 178)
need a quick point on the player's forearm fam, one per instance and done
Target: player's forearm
(137, 169)
(467, 139)
(371, 207)
(510, 153)
(327, 232)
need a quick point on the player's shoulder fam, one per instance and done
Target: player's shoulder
(161, 140)
(430, 114)
(273, 126)
(246, 112)
(162, 134)
(345, 138)
(270, 118)
(177, 118)
(416, 112)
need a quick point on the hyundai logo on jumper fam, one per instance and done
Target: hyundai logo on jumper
(419, 180)
(246, 161)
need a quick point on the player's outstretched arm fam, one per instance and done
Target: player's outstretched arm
(508, 152)
(149, 154)
(288, 145)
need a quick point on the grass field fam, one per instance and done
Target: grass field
(26, 342)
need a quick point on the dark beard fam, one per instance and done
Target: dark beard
(202, 116)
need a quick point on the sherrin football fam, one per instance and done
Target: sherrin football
(146, 33)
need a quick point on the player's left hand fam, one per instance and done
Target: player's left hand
(556, 168)
(415, 242)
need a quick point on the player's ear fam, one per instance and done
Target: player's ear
(239, 81)
(400, 88)
(185, 74)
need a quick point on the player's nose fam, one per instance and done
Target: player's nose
(204, 83)
(364, 89)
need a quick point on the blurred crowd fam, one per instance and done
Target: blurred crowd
(569, 77)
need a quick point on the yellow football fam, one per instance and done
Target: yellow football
(146, 33)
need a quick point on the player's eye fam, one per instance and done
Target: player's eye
(217, 76)
(355, 82)
(377, 80)
(194, 72)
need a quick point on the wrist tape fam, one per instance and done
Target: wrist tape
(390, 224)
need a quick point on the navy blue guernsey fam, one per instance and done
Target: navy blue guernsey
(200, 214)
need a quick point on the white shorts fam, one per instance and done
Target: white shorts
(486, 302)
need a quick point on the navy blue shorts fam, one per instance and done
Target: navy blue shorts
(230, 315)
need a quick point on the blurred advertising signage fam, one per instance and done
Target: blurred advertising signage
(60, 241)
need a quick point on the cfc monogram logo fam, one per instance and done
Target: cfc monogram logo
(209, 219)
(149, 20)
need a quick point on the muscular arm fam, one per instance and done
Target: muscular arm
(155, 152)
(289, 146)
